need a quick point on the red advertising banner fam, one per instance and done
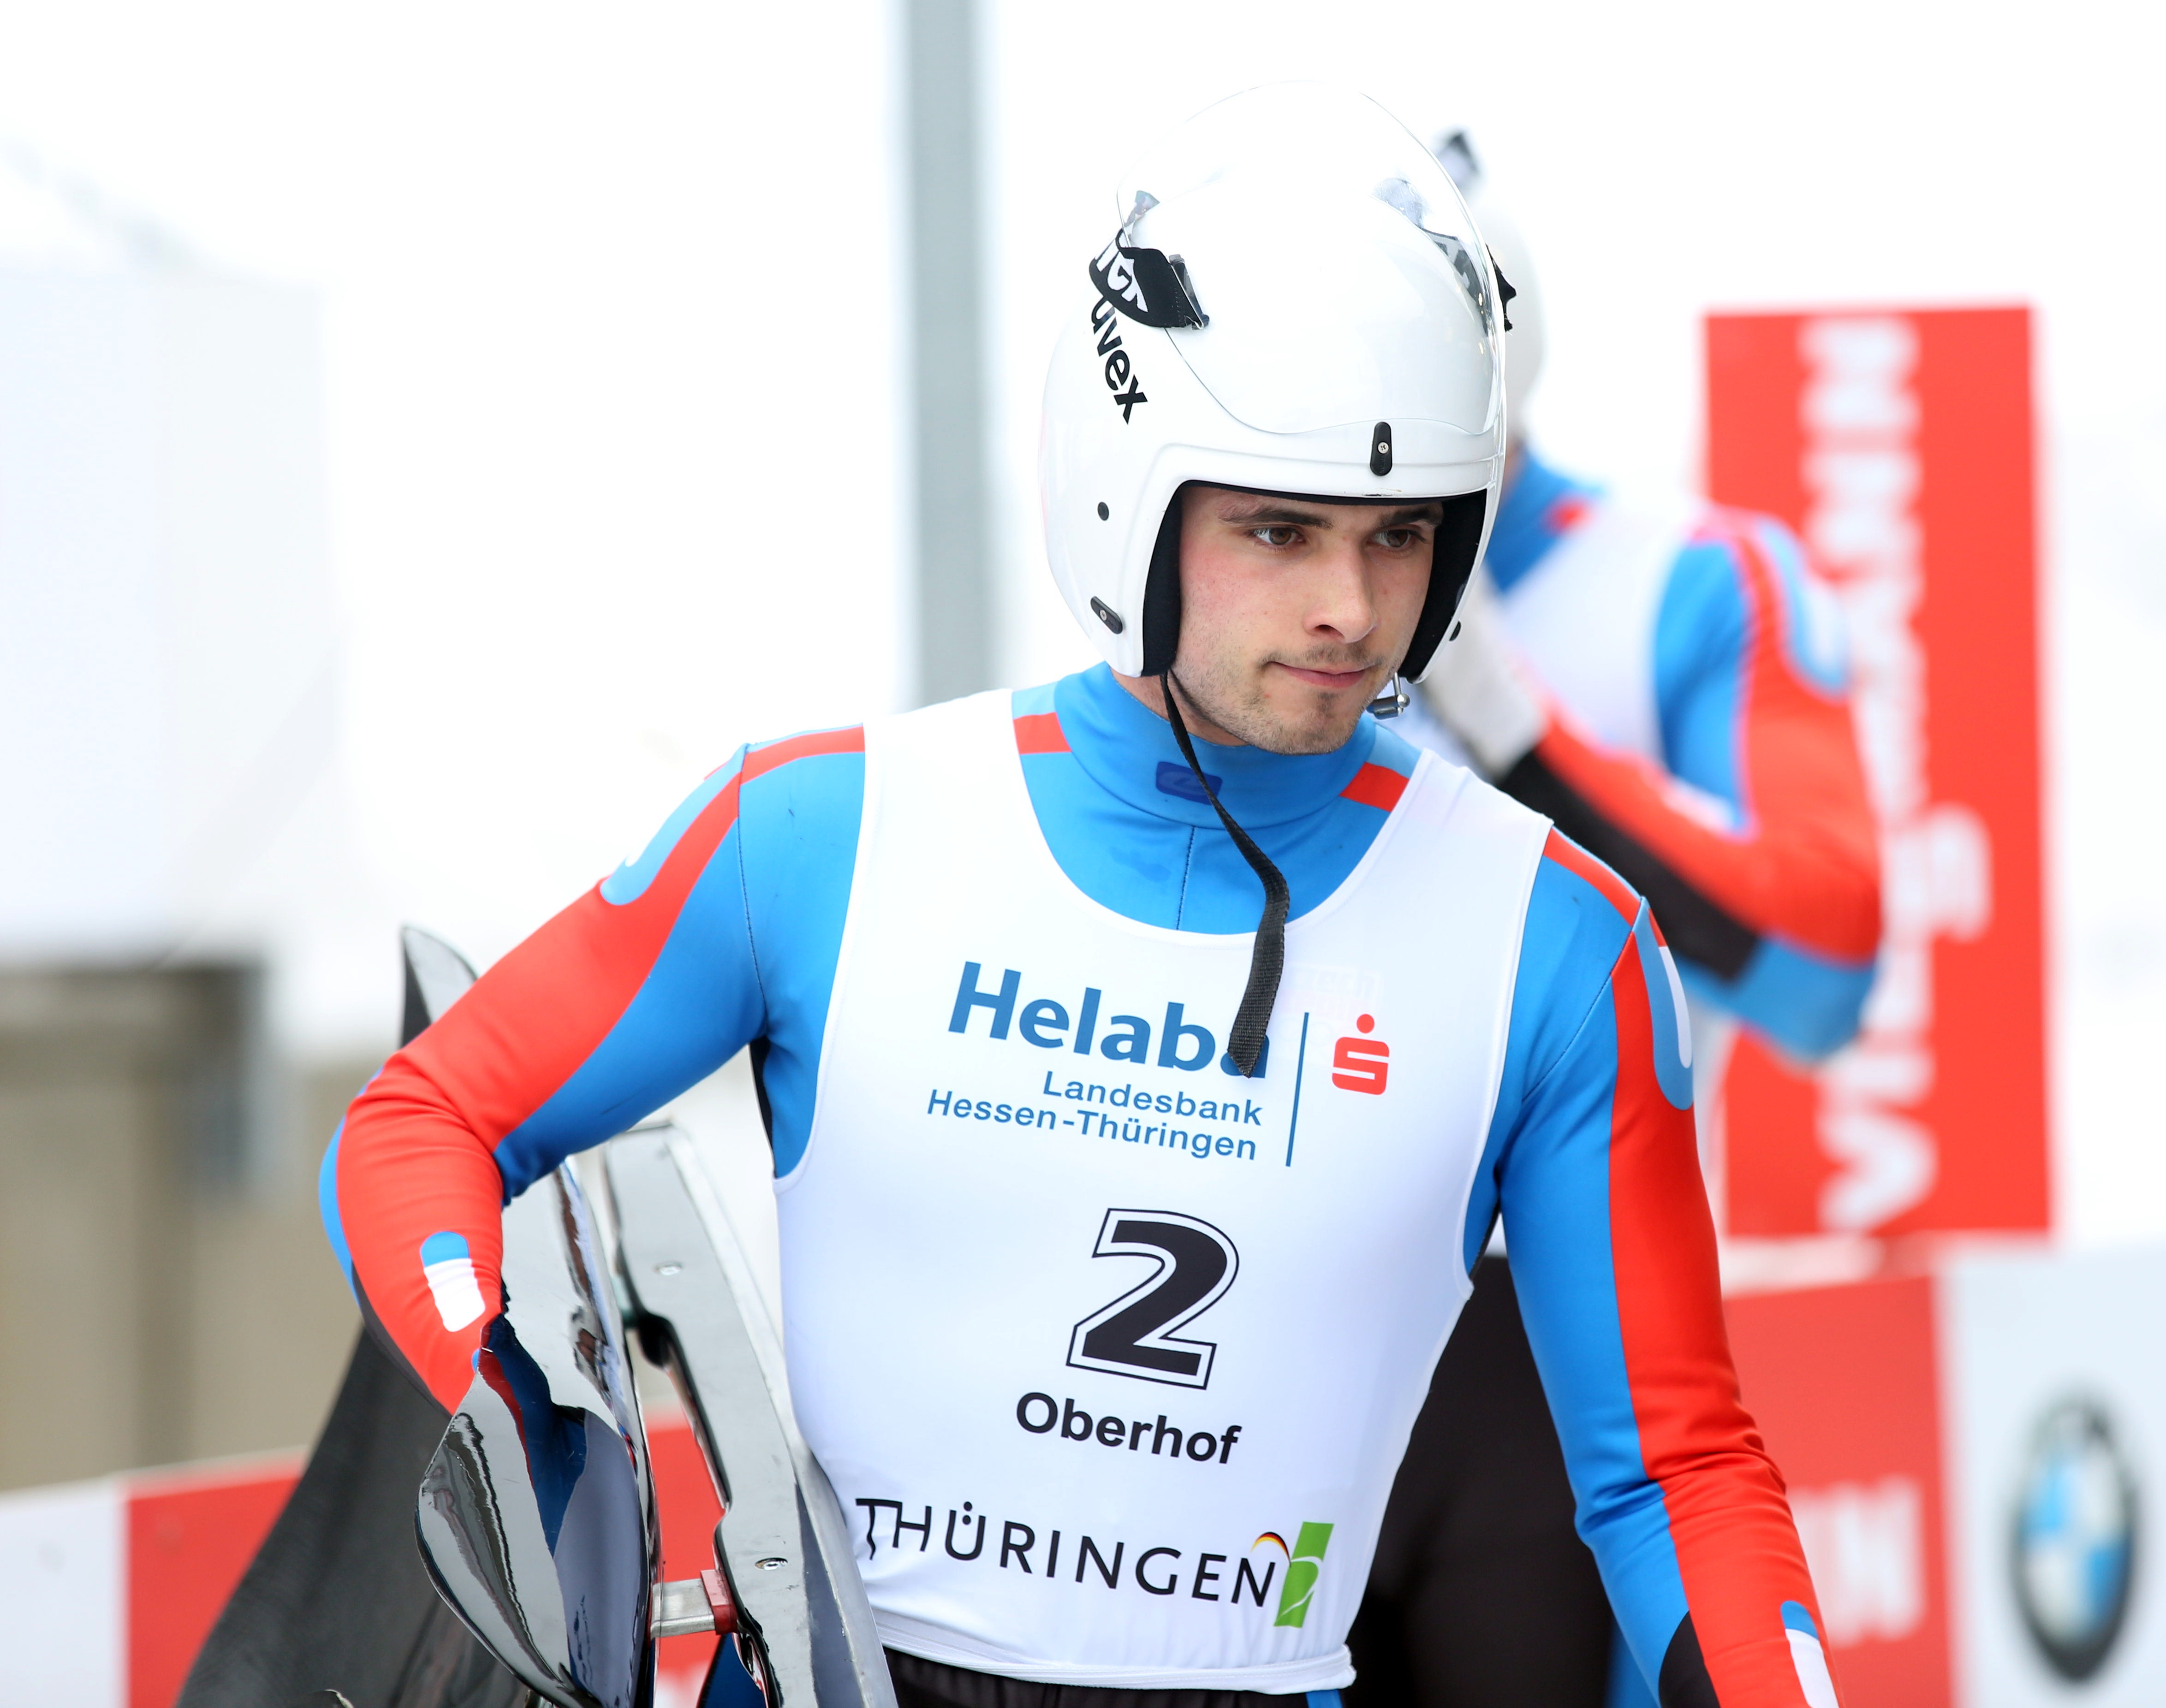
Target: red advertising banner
(1845, 1383)
(1899, 445)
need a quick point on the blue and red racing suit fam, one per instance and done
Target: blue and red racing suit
(725, 934)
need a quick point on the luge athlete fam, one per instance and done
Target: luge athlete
(1121, 1229)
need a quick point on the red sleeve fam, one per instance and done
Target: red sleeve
(1737, 1548)
(608, 1011)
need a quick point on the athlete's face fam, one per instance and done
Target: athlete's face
(1294, 613)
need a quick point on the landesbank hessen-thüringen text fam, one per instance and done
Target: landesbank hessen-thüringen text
(1202, 1127)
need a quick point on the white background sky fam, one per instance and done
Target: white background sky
(612, 341)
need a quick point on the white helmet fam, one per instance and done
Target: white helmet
(1508, 248)
(1297, 302)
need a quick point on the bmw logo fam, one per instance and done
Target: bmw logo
(2073, 1555)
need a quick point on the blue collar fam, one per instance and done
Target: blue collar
(1129, 752)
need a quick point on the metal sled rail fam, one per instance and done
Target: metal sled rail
(783, 1551)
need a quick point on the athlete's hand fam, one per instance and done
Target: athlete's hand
(1481, 689)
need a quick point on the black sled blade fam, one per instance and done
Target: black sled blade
(336, 1599)
(536, 1512)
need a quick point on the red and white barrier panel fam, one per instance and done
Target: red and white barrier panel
(108, 1588)
(1973, 1457)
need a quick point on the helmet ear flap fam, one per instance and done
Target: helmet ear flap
(1162, 593)
(1458, 542)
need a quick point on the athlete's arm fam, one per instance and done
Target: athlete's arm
(1756, 846)
(637, 990)
(1592, 1164)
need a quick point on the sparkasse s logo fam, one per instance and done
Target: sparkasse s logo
(1362, 1063)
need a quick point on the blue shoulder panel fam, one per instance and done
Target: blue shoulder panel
(629, 881)
(1393, 751)
(798, 830)
(1700, 647)
(751, 954)
(1572, 937)
(698, 1005)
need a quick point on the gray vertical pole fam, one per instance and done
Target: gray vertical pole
(954, 594)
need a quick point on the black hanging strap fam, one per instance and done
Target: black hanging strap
(1267, 958)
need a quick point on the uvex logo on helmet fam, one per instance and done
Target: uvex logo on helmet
(1119, 368)
(1150, 288)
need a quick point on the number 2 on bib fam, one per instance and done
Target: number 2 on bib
(1134, 1335)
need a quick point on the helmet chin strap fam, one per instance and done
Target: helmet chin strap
(1393, 701)
(1267, 958)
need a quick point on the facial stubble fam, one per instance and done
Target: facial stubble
(1238, 702)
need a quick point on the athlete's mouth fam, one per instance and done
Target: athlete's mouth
(1327, 678)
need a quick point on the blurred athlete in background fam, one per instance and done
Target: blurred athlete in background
(1666, 683)
(1121, 1229)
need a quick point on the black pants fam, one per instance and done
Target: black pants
(929, 1684)
(1482, 1592)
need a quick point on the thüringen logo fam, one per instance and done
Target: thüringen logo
(1303, 1567)
(2073, 1541)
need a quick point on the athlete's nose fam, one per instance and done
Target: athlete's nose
(1343, 606)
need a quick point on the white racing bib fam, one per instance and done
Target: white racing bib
(1111, 1354)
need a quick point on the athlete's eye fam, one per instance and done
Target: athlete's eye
(1398, 539)
(1277, 534)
